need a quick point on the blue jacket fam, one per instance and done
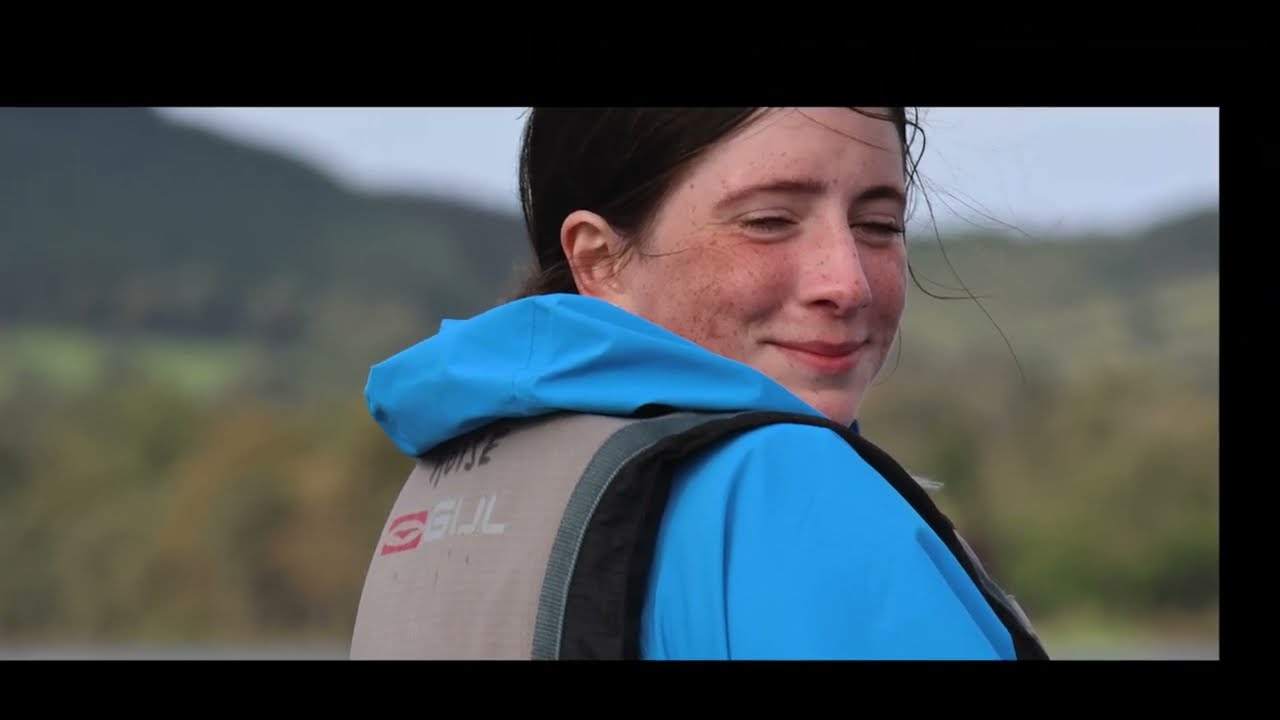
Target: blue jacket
(781, 543)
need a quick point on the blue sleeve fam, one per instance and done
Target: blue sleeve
(784, 544)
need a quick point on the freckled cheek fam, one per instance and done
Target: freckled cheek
(713, 308)
(757, 283)
(728, 294)
(682, 295)
(888, 288)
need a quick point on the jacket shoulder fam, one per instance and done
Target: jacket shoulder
(785, 541)
(786, 460)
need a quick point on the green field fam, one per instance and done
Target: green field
(76, 361)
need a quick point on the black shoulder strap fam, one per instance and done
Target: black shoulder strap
(591, 607)
(1025, 642)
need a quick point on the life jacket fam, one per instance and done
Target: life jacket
(534, 538)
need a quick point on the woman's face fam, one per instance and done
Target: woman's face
(782, 248)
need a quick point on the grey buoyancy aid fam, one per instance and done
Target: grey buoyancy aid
(533, 538)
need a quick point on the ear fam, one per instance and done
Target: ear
(593, 249)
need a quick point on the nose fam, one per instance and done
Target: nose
(834, 277)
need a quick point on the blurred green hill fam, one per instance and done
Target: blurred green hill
(114, 219)
(186, 324)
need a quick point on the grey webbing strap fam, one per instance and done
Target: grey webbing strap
(623, 446)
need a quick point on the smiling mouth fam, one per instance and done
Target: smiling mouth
(824, 358)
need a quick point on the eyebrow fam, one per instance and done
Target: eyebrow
(810, 186)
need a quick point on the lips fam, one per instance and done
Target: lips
(824, 357)
(823, 348)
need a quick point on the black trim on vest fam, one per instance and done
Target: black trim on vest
(605, 600)
(588, 586)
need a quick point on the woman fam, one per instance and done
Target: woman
(653, 451)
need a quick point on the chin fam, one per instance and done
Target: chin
(841, 411)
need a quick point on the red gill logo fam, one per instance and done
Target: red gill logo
(405, 533)
(453, 516)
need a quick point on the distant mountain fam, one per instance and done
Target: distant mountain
(1148, 298)
(1066, 268)
(116, 218)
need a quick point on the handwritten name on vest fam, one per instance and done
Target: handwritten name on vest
(465, 453)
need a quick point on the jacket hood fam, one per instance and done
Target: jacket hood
(553, 353)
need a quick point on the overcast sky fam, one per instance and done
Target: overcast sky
(1041, 169)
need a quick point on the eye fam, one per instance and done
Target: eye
(880, 231)
(768, 223)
